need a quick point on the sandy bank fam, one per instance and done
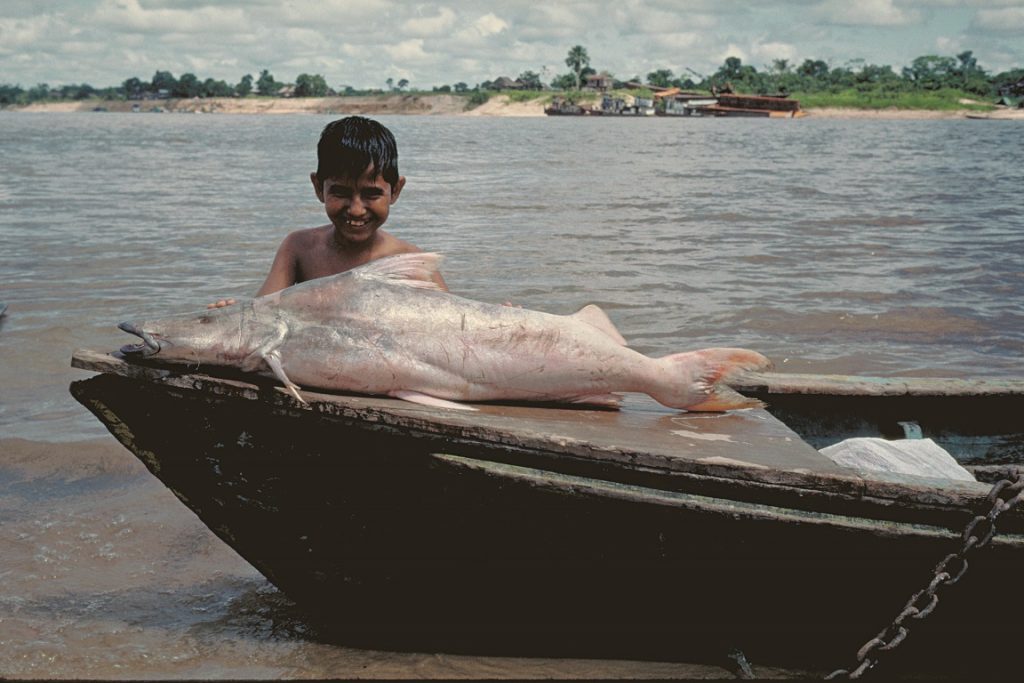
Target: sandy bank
(371, 104)
(434, 104)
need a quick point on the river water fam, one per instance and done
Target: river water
(843, 246)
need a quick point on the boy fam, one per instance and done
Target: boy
(357, 181)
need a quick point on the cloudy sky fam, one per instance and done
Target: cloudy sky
(363, 43)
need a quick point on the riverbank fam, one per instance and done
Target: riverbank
(440, 104)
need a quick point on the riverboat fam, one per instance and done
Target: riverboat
(638, 533)
(770, 106)
(563, 107)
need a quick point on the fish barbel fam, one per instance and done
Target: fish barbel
(385, 328)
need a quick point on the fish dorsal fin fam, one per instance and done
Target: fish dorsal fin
(595, 317)
(413, 270)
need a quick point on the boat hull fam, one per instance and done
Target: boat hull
(397, 534)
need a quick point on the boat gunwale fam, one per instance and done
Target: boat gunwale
(867, 386)
(737, 509)
(880, 500)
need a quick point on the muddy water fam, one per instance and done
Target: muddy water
(873, 247)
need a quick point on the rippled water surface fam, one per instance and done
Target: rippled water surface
(873, 247)
(839, 246)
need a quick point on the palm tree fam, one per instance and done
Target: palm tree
(578, 60)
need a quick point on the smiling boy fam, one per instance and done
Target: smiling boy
(357, 181)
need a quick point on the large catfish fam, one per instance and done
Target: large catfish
(385, 328)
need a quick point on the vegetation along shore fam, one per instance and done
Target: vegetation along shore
(932, 86)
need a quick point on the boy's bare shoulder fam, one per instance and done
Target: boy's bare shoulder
(391, 245)
(304, 239)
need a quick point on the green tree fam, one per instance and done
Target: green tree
(741, 77)
(403, 84)
(531, 80)
(390, 83)
(577, 60)
(39, 91)
(244, 86)
(814, 69)
(307, 85)
(188, 86)
(216, 88)
(873, 78)
(564, 81)
(163, 80)
(266, 85)
(1005, 83)
(661, 78)
(931, 72)
(10, 94)
(75, 91)
(460, 87)
(133, 88)
(972, 78)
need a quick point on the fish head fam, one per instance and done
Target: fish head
(220, 336)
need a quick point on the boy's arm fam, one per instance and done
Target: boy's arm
(284, 271)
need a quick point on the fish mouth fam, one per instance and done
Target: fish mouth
(147, 347)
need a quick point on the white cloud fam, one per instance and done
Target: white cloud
(948, 46)
(1008, 19)
(865, 13)
(489, 24)
(644, 19)
(406, 51)
(18, 33)
(732, 51)
(430, 26)
(675, 41)
(768, 52)
(339, 16)
(131, 15)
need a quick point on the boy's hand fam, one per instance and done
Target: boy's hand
(221, 303)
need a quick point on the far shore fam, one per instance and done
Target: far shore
(430, 104)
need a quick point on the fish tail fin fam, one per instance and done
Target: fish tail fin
(695, 380)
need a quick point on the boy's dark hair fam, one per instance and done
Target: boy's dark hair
(349, 145)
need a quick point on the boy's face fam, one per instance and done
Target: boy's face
(357, 207)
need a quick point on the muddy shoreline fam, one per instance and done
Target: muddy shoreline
(440, 104)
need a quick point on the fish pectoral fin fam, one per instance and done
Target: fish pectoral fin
(602, 400)
(433, 401)
(273, 360)
(595, 317)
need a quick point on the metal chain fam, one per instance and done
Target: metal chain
(979, 531)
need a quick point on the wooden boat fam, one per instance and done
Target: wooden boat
(758, 106)
(527, 529)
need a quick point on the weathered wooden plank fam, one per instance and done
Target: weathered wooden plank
(848, 385)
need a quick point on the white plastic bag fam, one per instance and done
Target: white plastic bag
(920, 457)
